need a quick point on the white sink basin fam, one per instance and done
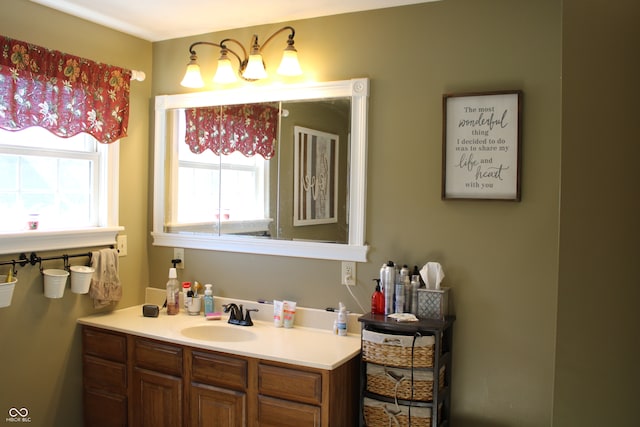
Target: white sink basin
(218, 333)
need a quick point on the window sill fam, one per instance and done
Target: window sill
(225, 227)
(41, 240)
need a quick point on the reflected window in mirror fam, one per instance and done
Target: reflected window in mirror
(226, 148)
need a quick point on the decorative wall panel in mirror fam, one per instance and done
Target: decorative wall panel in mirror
(268, 170)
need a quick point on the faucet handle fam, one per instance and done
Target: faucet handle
(247, 318)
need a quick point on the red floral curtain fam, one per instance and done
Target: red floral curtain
(250, 129)
(63, 93)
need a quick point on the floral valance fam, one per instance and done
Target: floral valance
(63, 93)
(250, 129)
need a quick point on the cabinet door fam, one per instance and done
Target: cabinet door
(102, 409)
(283, 413)
(157, 399)
(217, 407)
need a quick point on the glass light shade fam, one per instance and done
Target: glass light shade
(255, 68)
(192, 78)
(225, 72)
(289, 66)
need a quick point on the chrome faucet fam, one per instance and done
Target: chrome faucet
(236, 317)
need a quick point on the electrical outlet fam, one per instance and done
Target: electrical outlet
(121, 245)
(348, 275)
(178, 253)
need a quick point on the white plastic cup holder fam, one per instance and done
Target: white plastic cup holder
(6, 290)
(54, 282)
(81, 278)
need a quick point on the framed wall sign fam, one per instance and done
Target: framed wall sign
(315, 185)
(482, 135)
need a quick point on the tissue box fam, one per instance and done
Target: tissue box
(433, 303)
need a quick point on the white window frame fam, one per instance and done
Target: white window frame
(102, 235)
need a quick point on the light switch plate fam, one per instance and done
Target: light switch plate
(121, 243)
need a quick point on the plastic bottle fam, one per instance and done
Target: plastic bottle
(173, 293)
(399, 307)
(415, 284)
(377, 300)
(208, 299)
(406, 282)
(342, 320)
(186, 288)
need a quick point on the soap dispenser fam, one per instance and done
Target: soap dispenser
(377, 299)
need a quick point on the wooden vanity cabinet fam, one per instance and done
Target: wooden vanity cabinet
(104, 367)
(130, 380)
(157, 384)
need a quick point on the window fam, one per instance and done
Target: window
(55, 188)
(202, 207)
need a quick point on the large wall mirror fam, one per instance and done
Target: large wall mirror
(267, 170)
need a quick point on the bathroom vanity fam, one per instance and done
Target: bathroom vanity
(186, 371)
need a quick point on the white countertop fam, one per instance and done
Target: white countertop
(305, 346)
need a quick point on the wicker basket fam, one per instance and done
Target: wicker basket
(396, 383)
(380, 414)
(396, 350)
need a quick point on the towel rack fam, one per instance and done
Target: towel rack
(34, 259)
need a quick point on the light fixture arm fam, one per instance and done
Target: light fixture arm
(242, 60)
(221, 45)
(289, 39)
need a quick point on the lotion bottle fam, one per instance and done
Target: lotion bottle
(342, 320)
(208, 299)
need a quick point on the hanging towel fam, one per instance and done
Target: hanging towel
(105, 283)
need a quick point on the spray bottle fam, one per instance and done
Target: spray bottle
(387, 281)
(173, 293)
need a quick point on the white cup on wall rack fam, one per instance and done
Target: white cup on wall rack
(81, 278)
(54, 282)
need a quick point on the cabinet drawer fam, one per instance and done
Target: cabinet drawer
(158, 357)
(282, 413)
(288, 383)
(104, 375)
(216, 369)
(104, 409)
(104, 344)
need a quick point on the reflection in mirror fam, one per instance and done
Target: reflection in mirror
(275, 170)
(313, 185)
(223, 161)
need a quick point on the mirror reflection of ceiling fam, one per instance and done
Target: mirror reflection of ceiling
(156, 20)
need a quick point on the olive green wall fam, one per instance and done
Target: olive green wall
(40, 365)
(499, 257)
(597, 371)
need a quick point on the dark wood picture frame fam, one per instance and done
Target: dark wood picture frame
(481, 145)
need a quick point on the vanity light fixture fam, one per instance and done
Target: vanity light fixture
(251, 67)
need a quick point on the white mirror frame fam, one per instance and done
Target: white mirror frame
(355, 250)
